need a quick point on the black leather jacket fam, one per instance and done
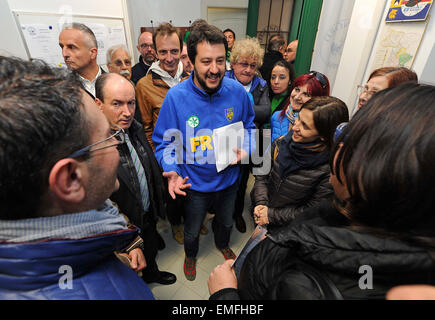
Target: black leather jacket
(288, 197)
(322, 238)
(128, 195)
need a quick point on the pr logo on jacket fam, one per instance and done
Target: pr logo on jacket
(229, 114)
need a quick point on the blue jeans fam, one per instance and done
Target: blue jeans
(196, 206)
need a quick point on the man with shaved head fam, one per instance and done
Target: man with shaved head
(79, 50)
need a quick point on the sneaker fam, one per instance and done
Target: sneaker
(178, 233)
(190, 268)
(228, 253)
(203, 230)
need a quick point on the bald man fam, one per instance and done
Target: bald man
(147, 56)
(140, 195)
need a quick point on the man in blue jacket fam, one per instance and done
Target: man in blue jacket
(185, 149)
(58, 167)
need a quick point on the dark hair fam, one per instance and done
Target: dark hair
(167, 29)
(328, 113)
(286, 65)
(395, 75)
(276, 41)
(387, 155)
(229, 30)
(41, 122)
(201, 32)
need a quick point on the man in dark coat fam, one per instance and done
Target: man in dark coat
(140, 196)
(147, 56)
(275, 52)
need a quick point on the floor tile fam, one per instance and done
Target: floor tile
(186, 293)
(171, 259)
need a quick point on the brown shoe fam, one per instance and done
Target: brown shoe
(178, 233)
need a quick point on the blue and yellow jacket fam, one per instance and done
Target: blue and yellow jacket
(183, 133)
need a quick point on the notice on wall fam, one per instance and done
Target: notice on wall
(398, 45)
(42, 42)
(408, 10)
(40, 33)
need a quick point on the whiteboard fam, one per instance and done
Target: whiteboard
(40, 34)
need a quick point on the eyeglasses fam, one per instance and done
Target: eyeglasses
(365, 89)
(145, 46)
(119, 136)
(319, 77)
(245, 65)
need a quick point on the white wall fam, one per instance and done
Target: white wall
(366, 26)
(361, 35)
(181, 12)
(331, 35)
(423, 51)
(106, 8)
(10, 39)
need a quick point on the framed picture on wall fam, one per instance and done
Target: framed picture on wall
(408, 10)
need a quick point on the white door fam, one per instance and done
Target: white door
(232, 18)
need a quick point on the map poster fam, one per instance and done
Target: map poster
(398, 44)
(408, 10)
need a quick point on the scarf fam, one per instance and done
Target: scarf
(276, 100)
(67, 226)
(291, 115)
(294, 156)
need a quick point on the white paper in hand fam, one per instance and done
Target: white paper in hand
(225, 140)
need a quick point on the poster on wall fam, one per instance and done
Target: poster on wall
(408, 10)
(398, 45)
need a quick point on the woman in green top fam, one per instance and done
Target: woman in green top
(280, 85)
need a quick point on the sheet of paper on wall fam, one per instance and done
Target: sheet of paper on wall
(42, 43)
(225, 140)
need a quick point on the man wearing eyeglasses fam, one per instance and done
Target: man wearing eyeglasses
(141, 192)
(147, 56)
(58, 167)
(119, 60)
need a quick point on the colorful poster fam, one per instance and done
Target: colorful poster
(408, 10)
(398, 45)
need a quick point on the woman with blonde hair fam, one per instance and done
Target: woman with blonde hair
(246, 58)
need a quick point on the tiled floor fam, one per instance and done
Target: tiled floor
(172, 259)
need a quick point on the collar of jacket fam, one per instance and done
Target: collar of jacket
(29, 266)
(322, 237)
(255, 81)
(159, 82)
(134, 127)
(275, 54)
